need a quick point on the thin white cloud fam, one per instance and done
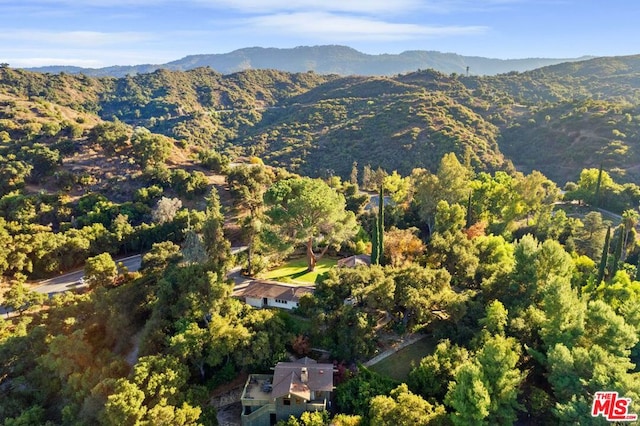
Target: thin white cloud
(74, 38)
(41, 62)
(364, 7)
(331, 27)
(275, 6)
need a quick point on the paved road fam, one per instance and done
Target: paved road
(72, 280)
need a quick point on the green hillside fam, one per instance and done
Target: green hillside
(558, 119)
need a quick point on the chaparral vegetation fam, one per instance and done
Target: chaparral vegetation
(497, 215)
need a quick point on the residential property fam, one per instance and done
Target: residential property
(264, 294)
(355, 260)
(294, 387)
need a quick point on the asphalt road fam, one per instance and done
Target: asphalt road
(72, 281)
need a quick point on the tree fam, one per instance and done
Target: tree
(402, 246)
(354, 395)
(485, 390)
(100, 270)
(377, 242)
(122, 230)
(602, 269)
(308, 211)
(125, 405)
(596, 192)
(193, 248)
(451, 184)
(435, 371)
(564, 315)
(218, 248)
(468, 396)
(498, 358)
(247, 186)
(161, 255)
(20, 299)
(630, 219)
(112, 136)
(149, 149)
(403, 407)
(161, 378)
(424, 294)
(166, 210)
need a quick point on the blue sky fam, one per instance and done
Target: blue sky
(97, 33)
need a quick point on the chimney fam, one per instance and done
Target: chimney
(304, 375)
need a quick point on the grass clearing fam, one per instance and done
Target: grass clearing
(398, 365)
(295, 271)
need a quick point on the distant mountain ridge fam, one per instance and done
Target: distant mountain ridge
(329, 59)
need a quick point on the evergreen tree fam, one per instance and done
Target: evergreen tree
(353, 178)
(375, 254)
(617, 252)
(381, 224)
(216, 245)
(468, 221)
(596, 195)
(603, 259)
(377, 239)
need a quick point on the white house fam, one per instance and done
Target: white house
(263, 294)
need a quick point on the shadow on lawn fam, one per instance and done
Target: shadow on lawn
(302, 273)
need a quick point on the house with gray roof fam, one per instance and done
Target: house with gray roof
(294, 387)
(272, 294)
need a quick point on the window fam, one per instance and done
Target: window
(286, 401)
(284, 302)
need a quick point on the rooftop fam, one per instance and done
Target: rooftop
(258, 388)
(301, 377)
(258, 289)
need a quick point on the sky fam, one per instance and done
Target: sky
(99, 33)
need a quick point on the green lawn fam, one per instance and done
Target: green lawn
(295, 270)
(398, 365)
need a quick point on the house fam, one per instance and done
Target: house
(263, 294)
(294, 387)
(356, 260)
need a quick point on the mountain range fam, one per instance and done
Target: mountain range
(558, 119)
(329, 59)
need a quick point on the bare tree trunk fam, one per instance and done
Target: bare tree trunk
(311, 257)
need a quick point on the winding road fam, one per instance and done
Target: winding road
(74, 280)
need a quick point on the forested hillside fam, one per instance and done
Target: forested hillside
(526, 296)
(572, 115)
